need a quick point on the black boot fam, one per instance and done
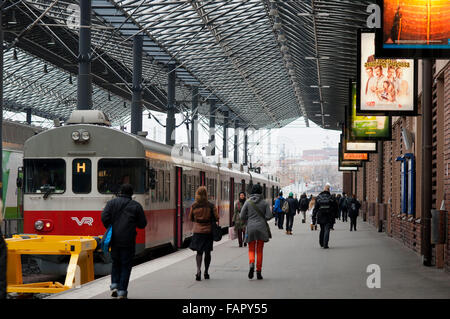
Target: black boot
(251, 272)
(258, 275)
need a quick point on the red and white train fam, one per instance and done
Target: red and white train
(70, 172)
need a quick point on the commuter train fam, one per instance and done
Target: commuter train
(70, 172)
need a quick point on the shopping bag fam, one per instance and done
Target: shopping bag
(232, 233)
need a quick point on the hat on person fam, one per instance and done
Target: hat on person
(256, 189)
(291, 194)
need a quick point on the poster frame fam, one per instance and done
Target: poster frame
(416, 53)
(413, 112)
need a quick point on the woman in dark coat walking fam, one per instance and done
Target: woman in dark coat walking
(239, 225)
(256, 212)
(202, 241)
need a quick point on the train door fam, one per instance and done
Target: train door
(202, 178)
(231, 199)
(179, 207)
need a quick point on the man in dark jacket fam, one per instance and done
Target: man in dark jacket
(303, 206)
(343, 207)
(353, 211)
(293, 206)
(324, 214)
(124, 214)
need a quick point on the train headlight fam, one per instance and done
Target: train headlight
(85, 136)
(76, 136)
(39, 225)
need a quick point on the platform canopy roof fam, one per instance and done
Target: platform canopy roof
(266, 62)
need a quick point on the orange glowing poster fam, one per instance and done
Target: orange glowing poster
(415, 26)
(356, 157)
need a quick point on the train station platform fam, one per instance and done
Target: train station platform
(294, 267)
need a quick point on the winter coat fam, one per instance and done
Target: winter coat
(304, 203)
(354, 213)
(293, 205)
(329, 216)
(238, 223)
(256, 225)
(125, 215)
(343, 204)
(279, 204)
(200, 214)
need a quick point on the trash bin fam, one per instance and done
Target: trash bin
(438, 226)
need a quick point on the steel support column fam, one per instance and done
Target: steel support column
(236, 141)
(225, 135)
(136, 101)
(194, 123)
(84, 101)
(245, 146)
(212, 128)
(28, 116)
(170, 122)
(427, 158)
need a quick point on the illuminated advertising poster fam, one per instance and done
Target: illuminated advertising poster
(358, 146)
(414, 29)
(384, 86)
(347, 163)
(366, 127)
(347, 169)
(355, 156)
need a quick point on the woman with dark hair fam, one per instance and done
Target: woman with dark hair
(239, 225)
(256, 212)
(201, 214)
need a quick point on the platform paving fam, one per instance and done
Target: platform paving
(294, 267)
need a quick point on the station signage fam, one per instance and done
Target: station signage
(384, 86)
(365, 126)
(414, 29)
(346, 169)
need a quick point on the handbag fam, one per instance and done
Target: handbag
(262, 216)
(216, 230)
(105, 243)
(232, 233)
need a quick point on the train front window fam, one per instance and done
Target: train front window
(81, 176)
(45, 175)
(112, 173)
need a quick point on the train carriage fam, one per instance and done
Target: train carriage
(70, 172)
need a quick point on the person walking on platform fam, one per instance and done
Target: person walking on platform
(324, 214)
(303, 206)
(239, 225)
(3, 253)
(201, 213)
(125, 215)
(293, 206)
(338, 200)
(278, 211)
(256, 212)
(312, 203)
(353, 211)
(343, 207)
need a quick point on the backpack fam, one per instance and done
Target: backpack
(325, 203)
(285, 207)
(353, 208)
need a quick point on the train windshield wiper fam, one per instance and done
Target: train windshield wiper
(47, 189)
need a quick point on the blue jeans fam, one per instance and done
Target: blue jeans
(280, 219)
(122, 263)
(289, 221)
